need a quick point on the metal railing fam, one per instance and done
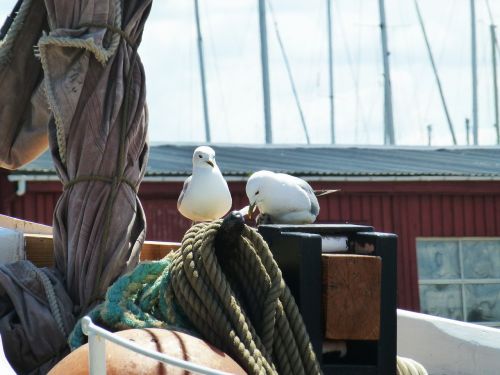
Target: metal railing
(97, 351)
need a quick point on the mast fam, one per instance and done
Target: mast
(10, 18)
(330, 69)
(388, 118)
(436, 75)
(467, 131)
(495, 84)
(474, 72)
(265, 71)
(202, 72)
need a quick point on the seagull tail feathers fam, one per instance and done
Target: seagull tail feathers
(320, 193)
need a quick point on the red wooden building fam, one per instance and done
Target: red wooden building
(436, 200)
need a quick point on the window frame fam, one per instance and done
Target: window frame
(461, 281)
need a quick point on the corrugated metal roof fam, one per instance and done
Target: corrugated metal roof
(239, 160)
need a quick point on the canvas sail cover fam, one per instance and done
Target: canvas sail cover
(84, 96)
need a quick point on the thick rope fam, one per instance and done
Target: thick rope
(51, 298)
(97, 178)
(237, 302)
(408, 366)
(7, 43)
(247, 308)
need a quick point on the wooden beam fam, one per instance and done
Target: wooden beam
(155, 250)
(39, 249)
(24, 226)
(351, 296)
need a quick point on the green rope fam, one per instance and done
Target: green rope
(137, 300)
(237, 302)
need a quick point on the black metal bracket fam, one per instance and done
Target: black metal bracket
(297, 250)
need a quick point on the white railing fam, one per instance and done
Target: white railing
(97, 351)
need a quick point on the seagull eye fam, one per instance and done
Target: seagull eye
(200, 156)
(257, 192)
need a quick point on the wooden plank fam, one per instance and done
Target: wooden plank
(351, 296)
(24, 226)
(39, 249)
(154, 250)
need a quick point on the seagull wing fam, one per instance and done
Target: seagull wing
(184, 189)
(310, 194)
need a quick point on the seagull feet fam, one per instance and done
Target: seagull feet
(263, 219)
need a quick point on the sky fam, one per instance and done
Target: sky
(233, 71)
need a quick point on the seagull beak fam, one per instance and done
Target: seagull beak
(211, 163)
(251, 210)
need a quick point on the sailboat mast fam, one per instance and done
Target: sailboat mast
(265, 71)
(388, 118)
(495, 82)
(474, 72)
(330, 69)
(202, 72)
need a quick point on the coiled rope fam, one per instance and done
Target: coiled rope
(237, 301)
(408, 366)
(241, 303)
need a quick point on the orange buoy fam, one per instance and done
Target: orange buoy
(122, 361)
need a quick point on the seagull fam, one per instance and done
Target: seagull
(205, 195)
(282, 199)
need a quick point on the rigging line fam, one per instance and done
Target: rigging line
(216, 66)
(494, 63)
(190, 114)
(315, 57)
(240, 47)
(489, 10)
(434, 68)
(441, 50)
(349, 60)
(440, 54)
(289, 72)
(201, 63)
(492, 22)
(411, 70)
(485, 60)
(357, 73)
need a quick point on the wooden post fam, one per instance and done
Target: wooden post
(351, 296)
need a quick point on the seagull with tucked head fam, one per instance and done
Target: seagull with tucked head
(282, 198)
(205, 195)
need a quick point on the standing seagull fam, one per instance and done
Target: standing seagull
(205, 195)
(282, 199)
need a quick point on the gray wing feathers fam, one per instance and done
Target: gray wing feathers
(312, 197)
(184, 188)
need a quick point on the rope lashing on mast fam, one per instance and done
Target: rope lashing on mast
(234, 298)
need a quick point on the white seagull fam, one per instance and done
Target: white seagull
(205, 195)
(282, 199)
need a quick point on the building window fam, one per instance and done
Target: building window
(460, 278)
